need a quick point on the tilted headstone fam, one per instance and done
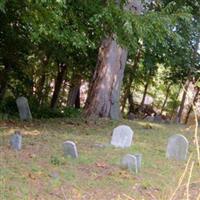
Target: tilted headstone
(70, 149)
(23, 108)
(177, 147)
(16, 141)
(132, 162)
(122, 136)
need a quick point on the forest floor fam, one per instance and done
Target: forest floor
(40, 171)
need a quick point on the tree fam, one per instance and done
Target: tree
(104, 93)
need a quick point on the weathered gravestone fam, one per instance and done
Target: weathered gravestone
(70, 149)
(177, 147)
(132, 162)
(16, 141)
(122, 136)
(23, 108)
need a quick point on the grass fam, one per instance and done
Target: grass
(40, 171)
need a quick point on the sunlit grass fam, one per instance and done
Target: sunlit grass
(96, 174)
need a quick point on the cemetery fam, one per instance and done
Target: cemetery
(60, 159)
(99, 100)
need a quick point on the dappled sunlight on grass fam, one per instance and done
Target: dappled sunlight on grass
(41, 170)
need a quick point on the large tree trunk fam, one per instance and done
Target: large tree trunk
(58, 84)
(104, 93)
(179, 115)
(166, 98)
(4, 77)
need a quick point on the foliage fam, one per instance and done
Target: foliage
(36, 37)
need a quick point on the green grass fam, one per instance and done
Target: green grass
(96, 174)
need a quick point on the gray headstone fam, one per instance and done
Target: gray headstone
(122, 136)
(139, 160)
(23, 108)
(70, 149)
(134, 6)
(158, 118)
(16, 141)
(131, 116)
(177, 147)
(150, 118)
(132, 162)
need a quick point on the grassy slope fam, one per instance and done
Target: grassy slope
(39, 171)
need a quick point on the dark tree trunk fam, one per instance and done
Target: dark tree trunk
(104, 93)
(166, 98)
(193, 103)
(127, 93)
(131, 103)
(78, 101)
(4, 77)
(41, 82)
(58, 84)
(74, 92)
(174, 109)
(144, 94)
(74, 97)
(179, 115)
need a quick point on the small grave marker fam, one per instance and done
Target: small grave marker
(132, 162)
(177, 147)
(70, 149)
(122, 136)
(16, 141)
(23, 108)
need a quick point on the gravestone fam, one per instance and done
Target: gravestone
(149, 118)
(158, 118)
(139, 160)
(16, 141)
(177, 147)
(132, 116)
(122, 136)
(23, 108)
(70, 149)
(132, 162)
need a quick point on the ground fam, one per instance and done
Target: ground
(40, 172)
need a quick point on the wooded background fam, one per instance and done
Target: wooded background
(138, 58)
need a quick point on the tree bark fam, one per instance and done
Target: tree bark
(74, 92)
(74, 97)
(179, 115)
(58, 84)
(104, 93)
(4, 77)
(166, 98)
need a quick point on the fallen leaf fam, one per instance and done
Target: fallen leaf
(102, 164)
(31, 176)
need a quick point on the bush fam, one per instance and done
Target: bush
(8, 108)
